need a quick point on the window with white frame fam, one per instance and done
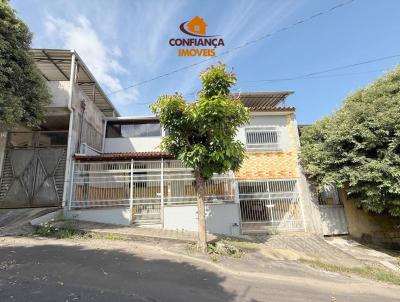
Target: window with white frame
(263, 138)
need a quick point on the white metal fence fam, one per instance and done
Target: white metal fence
(147, 186)
(270, 206)
(144, 186)
(263, 138)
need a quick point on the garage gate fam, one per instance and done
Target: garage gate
(33, 169)
(270, 206)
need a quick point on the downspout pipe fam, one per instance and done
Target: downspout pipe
(67, 178)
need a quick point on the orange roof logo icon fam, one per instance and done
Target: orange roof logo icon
(196, 27)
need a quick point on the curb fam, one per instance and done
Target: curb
(139, 237)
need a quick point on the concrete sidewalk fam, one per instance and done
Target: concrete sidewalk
(290, 246)
(389, 259)
(293, 246)
(16, 221)
(298, 246)
(139, 233)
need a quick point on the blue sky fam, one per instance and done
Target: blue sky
(125, 42)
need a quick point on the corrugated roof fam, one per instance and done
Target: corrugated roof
(256, 101)
(55, 65)
(272, 109)
(123, 156)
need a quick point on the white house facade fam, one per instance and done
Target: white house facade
(98, 166)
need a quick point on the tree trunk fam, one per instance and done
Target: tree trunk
(202, 242)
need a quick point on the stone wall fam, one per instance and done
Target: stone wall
(370, 227)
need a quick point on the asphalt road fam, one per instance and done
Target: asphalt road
(62, 270)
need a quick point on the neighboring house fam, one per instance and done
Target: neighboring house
(197, 26)
(34, 163)
(105, 168)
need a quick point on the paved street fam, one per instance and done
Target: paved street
(34, 269)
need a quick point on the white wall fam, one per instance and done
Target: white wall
(280, 121)
(220, 218)
(145, 144)
(132, 144)
(59, 93)
(119, 216)
(92, 114)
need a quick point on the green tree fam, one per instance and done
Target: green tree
(202, 134)
(23, 91)
(358, 147)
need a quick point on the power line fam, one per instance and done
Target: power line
(307, 78)
(339, 74)
(321, 13)
(308, 75)
(312, 75)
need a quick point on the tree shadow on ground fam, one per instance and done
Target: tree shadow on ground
(52, 272)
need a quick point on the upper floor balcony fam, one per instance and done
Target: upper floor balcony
(144, 134)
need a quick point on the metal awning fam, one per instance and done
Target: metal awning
(55, 65)
(257, 100)
(124, 156)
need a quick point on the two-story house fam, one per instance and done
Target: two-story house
(35, 163)
(101, 167)
(133, 182)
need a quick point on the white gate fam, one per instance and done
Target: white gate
(135, 184)
(269, 206)
(146, 192)
(333, 217)
(143, 186)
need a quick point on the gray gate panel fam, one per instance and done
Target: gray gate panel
(333, 220)
(20, 159)
(32, 177)
(46, 194)
(50, 159)
(16, 195)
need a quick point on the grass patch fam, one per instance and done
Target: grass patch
(66, 229)
(214, 258)
(373, 272)
(245, 246)
(63, 230)
(224, 248)
(105, 236)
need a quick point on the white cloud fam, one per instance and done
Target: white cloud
(102, 59)
(147, 30)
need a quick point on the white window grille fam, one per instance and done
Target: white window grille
(263, 138)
